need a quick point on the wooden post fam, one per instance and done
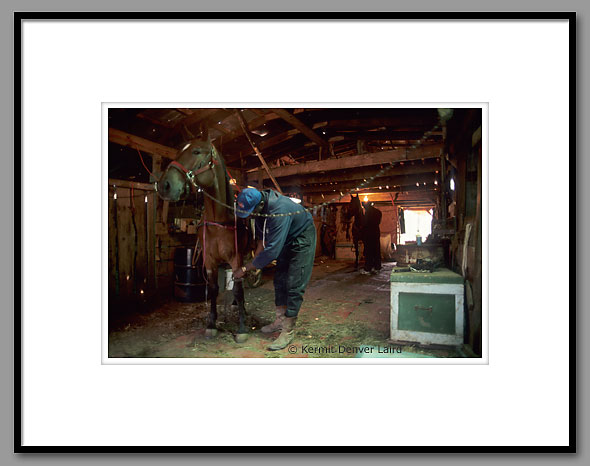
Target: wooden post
(156, 167)
(361, 147)
(165, 206)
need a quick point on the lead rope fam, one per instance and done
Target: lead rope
(264, 232)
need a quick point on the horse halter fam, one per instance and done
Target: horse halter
(191, 174)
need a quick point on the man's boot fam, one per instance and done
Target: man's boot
(278, 323)
(286, 336)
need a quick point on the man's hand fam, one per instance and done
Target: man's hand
(241, 272)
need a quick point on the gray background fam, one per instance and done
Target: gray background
(7, 7)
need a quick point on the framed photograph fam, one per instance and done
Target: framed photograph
(337, 204)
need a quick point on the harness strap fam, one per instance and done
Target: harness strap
(227, 227)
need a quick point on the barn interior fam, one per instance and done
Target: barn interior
(421, 167)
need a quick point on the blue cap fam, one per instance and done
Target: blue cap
(247, 200)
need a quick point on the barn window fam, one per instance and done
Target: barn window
(417, 222)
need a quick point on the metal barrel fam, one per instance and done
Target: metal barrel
(189, 285)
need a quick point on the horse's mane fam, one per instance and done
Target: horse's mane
(228, 190)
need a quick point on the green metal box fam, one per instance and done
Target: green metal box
(427, 308)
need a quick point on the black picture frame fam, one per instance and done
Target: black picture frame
(19, 17)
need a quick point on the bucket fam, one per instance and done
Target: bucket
(225, 278)
(189, 285)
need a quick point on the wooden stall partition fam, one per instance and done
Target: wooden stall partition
(131, 238)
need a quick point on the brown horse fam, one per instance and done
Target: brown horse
(354, 211)
(223, 237)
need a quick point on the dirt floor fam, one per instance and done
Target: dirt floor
(344, 314)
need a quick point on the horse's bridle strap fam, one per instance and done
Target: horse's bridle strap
(190, 173)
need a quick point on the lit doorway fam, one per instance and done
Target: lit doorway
(417, 222)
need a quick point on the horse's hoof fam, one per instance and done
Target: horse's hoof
(241, 337)
(210, 332)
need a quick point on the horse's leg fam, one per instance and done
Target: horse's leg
(356, 254)
(242, 334)
(211, 330)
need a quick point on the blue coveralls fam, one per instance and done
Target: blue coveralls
(291, 240)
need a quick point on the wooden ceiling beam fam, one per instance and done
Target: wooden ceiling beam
(423, 193)
(363, 173)
(355, 161)
(400, 123)
(238, 132)
(155, 121)
(282, 137)
(298, 124)
(391, 181)
(384, 135)
(135, 142)
(195, 120)
(185, 111)
(197, 115)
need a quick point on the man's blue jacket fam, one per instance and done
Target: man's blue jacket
(278, 231)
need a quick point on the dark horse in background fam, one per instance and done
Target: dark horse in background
(223, 237)
(353, 214)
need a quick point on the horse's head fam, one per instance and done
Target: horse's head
(354, 207)
(195, 161)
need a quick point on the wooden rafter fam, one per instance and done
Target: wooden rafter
(298, 124)
(363, 160)
(422, 193)
(136, 142)
(198, 116)
(391, 181)
(362, 173)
